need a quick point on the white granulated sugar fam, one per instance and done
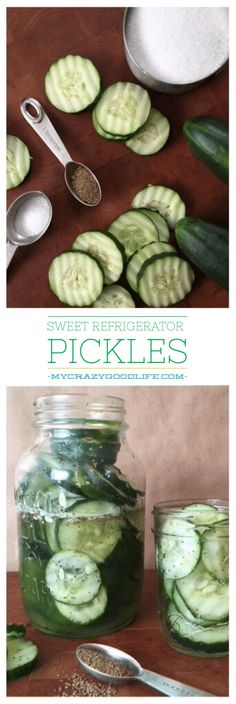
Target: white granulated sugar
(179, 44)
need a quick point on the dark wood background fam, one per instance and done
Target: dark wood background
(37, 37)
(142, 639)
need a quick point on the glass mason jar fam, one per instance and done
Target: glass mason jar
(80, 518)
(192, 559)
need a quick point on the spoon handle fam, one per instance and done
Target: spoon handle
(11, 248)
(44, 128)
(169, 687)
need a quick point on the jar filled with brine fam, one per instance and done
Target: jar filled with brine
(80, 503)
(192, 559)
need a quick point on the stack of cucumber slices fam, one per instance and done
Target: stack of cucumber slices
(192, 561)
(137, 244)
(21, 653)
(124, 113)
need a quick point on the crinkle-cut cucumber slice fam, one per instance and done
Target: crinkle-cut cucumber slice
(161, 224)
(204, 595)
(204, 514)
(72, 83)
(72, 577)
(164, 279)
(18, 161)
(86, 612)
(215, 551)
(101, 132)
(182, 606)
(96, 536)
(133, 229)
(138, 258)
(106, 249)
(21, 657)
(152, 136)
(114, 297)
(76, 278)
(166, 201)
(179, 549)
(212, 639)
(123, 108)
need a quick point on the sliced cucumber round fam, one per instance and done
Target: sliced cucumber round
(101, 132)
(152, 136)
(142, 255)
(203, 514)
(182, 606)
(86, 612)
(114, 296)
(213, 639)
(204, 595)
(94, 509)
(21, 657)
(94, 536)
(76, 278)
(161, 224)
(72, 83)
(215, 551)
(164, 280)
(168, 585)
(72, 577)
(106, 249)
(166, 201)
(18, 161)
(179, 548)
(123, 108)
(133, 229)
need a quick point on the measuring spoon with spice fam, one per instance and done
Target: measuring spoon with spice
(111, 665)
(80, 180)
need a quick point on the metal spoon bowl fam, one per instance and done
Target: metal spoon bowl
(19, 231)
(169, 687)
(40, 122)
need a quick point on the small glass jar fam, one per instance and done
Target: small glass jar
(80, 503)
(192, 559)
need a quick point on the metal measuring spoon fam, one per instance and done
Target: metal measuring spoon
(44, 128)
(28, 218)
(169, 687)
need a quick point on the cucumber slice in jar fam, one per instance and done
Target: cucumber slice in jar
(72, 577)
(18, 161)
(161, 224)
(164, 280)
(182, 607)
(163, 200)
(204, 514)
(85, 613)
(179, 549)
(152, 136)
(72, 83)
(212, 639)
(133, 229)
(21, 657)
(114, 297)
(215, 551)
(76, 278)
(168, 585)
(204, 595)
(123, 108)
(94, 535)
(106, 249)
(142, 255)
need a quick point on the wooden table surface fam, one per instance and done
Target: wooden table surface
(142, 639)
(37, 37)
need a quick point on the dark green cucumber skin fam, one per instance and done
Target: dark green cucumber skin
(206, 647)
(208, 138)
(207, 246)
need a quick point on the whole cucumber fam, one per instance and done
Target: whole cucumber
(208, 138)
(207, 246)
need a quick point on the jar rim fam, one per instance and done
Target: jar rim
(173, 506)
(72, 407)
